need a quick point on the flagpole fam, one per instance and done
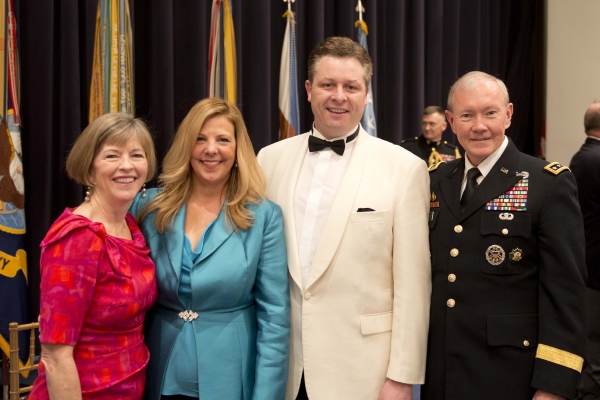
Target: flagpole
(360, 9)
(289, 4)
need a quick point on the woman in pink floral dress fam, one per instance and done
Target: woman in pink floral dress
(97, 278)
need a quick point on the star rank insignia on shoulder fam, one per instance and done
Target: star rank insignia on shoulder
(435, 166)
(555, 168)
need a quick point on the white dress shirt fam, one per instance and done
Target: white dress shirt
(485, 166)
(320, 177)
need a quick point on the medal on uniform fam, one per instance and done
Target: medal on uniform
(495, 255)
(515, 255)
(433, 203)
(514, 199)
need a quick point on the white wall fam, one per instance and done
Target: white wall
(573, 73)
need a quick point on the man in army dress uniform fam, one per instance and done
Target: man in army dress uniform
(430, 146)
(508, 307)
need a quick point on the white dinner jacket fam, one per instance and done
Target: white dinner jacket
(364, 314)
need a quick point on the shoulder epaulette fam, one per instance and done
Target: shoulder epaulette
(435, 166)
(555, 168)
(449, 144)
(409, 139)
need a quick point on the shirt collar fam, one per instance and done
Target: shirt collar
(593, 137)
(486, 165)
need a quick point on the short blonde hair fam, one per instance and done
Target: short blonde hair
(340, 47)
(468, 82)
(114, 129)
(246, 183)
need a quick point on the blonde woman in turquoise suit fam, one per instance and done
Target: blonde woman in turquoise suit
(220, 327)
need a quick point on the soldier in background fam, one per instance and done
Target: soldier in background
(429, 145)
(586, 169)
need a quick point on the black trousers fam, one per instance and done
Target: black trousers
(302, 391)
(589, 385)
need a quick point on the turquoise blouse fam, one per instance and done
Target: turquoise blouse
(180, 379)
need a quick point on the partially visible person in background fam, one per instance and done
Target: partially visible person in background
(429, 145)
(585, 165)
(220, 327)
(97, 279)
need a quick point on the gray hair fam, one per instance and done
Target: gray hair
(468, 82)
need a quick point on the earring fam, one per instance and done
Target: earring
(88, 193)
(235, 165)
(143, 196)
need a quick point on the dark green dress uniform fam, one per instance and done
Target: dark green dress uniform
(431, 152)
(508, 307)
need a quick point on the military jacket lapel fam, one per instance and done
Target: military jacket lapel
(450, 186)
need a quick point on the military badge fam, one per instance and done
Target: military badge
(515, 255)
(524, 174)
(495, 254)
(435, 166)
(504, 170)
(446, 157)
(555, 168)
(433, 203)
(514, 199)
(506, 216)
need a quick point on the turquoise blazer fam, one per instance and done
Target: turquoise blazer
(240, 292)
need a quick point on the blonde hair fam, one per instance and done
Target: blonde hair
(113, 129)
(340, 47)
(246, 183)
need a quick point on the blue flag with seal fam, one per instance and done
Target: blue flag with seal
(368, 120)
(13, 259)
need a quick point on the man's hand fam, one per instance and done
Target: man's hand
(542, 395)
(393, 390)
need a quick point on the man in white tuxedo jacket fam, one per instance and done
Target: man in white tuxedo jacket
(355, 214)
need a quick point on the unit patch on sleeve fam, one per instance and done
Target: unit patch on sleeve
(514, 199)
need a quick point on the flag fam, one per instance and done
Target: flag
(222, 68)
(111, 88)
(13, 259)
(368, 120)
(289, 113)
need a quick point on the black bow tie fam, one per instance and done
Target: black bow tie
(338, 146)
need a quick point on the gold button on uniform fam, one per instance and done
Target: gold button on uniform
(505, 231)
(458, 228)
(307, 296)
(451, 278)
(450, 303)
(454, 252)
(526, 343)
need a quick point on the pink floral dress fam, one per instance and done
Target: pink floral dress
(95, 291)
